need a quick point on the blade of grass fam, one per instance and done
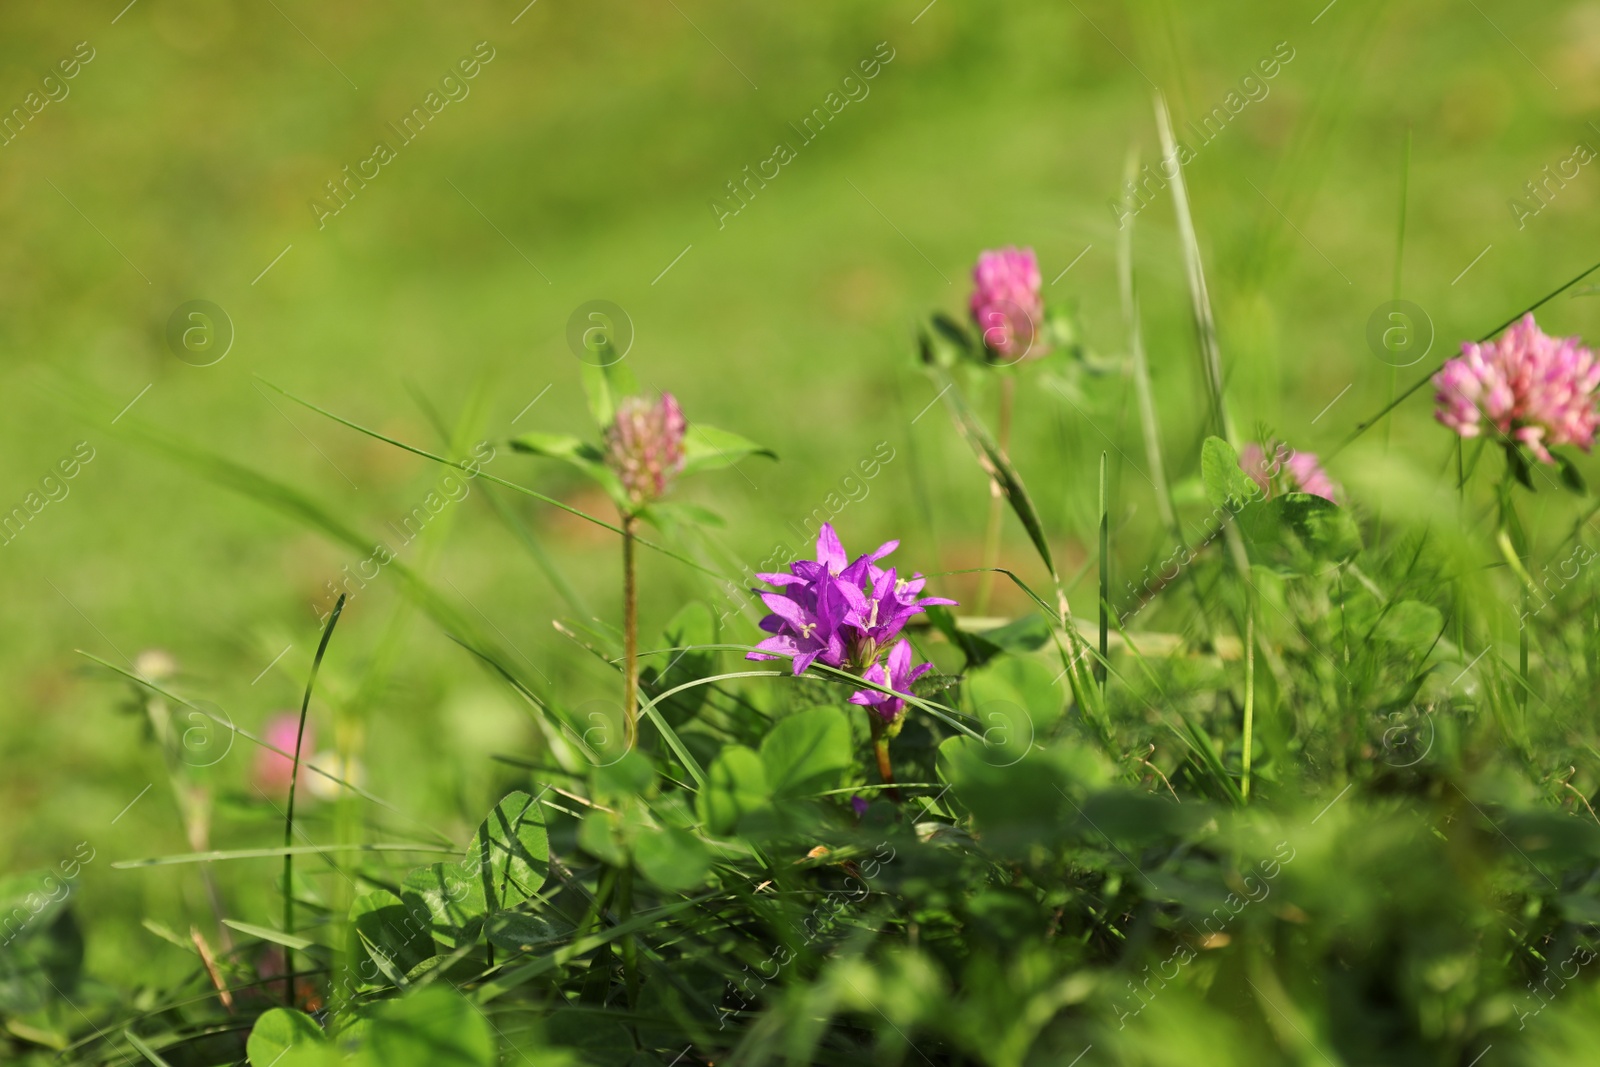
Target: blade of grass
(942, 712)
(1105, 576)
(289, 941)
(145, 1050)
(425, 454)
(248, 736)
(1363, 427)
(509, 980)
(1141, 366)
(991, 537)
(294, 782)
(1205, 325)
(536, 549)
(1199, 298)
(999, 469)
(995, 463)
(1249, 693)
(309, 512)
(217, 856)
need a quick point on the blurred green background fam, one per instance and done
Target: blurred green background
(182, 162)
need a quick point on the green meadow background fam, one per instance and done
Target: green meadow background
(182, 164)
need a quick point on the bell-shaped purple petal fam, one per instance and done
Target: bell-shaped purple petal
(898, 675)
(843, 613)
(830, 550)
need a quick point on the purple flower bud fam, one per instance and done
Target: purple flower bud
(644, 446)
(1006, 304)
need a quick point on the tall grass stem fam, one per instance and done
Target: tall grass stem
(991, 538)
(1141, 367)
(1249, 690)
(1105, 577)
(294, 781)
(630, 637)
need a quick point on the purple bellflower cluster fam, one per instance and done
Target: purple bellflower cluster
(845, 613)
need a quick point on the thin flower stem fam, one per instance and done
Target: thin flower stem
(1522, 654)
(991, 540)
(288, 822)
(880, 749)
(1008, 393)
(1512, 528)
(1249, 691)
(1105, 577)
(630, 947)
(630, 637)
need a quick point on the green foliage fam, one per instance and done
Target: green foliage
(736, 786)
(513, 851)
(431, 1028)
(998, 467)
(42, 951)
(693, 631)
(1227, 485)
(506, 864)
(706, 448)
(1298, 532)
(605, 381)
(452, 895)
(1066, 873)
(571, 450)
(807, 752)
(385, 940)
(284, 1035)
(672, 859)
